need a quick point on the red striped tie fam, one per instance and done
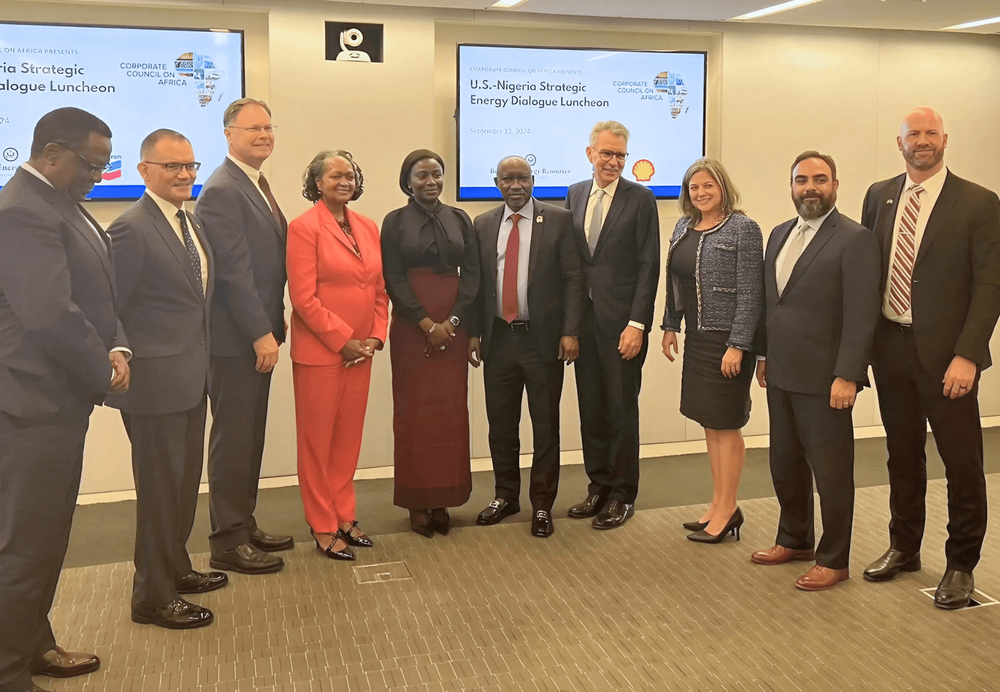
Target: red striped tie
(901, 277)
(509, 288)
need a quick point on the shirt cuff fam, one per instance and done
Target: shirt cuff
(638, 325)
(126, 351)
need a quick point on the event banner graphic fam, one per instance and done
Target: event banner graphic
(136, 80)
(541, 103)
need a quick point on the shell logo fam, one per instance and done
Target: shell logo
(643, 170)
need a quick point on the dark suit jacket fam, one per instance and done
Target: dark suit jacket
(822, 326)
(57, 304)
(622, 275)
(555, 282)
(162, 311)
(249, 249)
(955, 298)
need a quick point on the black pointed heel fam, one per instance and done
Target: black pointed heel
(733, 527)
(361, 541)
(331, 552)
(694, 525)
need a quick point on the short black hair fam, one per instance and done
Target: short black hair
(155, 137)
(69, 126)
(826, 158)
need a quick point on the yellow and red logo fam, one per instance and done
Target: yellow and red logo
(643, 170)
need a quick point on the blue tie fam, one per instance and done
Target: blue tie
(191, 249)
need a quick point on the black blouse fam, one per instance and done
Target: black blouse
(411, 238)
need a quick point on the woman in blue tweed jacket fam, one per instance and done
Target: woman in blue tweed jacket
(715, 284)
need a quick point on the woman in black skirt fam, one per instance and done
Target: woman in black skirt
(715, 285)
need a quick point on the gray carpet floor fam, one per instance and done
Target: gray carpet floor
(105, 533)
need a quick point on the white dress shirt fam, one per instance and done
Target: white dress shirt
(524, 225)
(932, 190)
(253, 174)
(170, 211)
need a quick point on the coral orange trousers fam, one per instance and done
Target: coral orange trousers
(330, 404)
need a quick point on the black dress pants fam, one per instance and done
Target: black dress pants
(513, 365)
(810, 438)
(40, 468)
(909, 397)
(167, 453)
(608, 393)
(239, 396)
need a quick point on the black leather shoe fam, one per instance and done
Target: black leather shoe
(440, 520)
(356, 537)
(541, 524)
(955, 590)
(197, 582)
(176, 615)
(614, 515)
(271, 544)
(420, 522)
(890, 564)
(694, 525)
(246, 559)
(497, 511)
(590, 507)
(731, 527)
(59, 663)
(343, 554)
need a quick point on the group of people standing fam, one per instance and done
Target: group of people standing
(171, 312)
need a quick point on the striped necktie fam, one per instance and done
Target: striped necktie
(901, 276)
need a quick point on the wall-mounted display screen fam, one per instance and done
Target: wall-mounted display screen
(135, 79)
(541, 103)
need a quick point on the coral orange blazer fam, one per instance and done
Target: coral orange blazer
(336, 295)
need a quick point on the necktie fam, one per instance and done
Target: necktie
(901, 276)
(265, 187)
(191, 249)
(510, 271)
(596, 222)
(795, 242)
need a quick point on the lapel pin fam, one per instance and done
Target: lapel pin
(888, 201)
(538, 219)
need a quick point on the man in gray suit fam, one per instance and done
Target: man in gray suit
(246, 230)
(57, 327)
(163, 269)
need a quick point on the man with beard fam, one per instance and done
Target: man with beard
(821, 288)
(940, 291)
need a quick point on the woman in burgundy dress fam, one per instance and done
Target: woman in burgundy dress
(431, 268)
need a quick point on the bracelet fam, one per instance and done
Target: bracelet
(431, 329)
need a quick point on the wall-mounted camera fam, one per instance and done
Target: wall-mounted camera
(353, 42)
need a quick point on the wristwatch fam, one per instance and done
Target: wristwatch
(454, 321)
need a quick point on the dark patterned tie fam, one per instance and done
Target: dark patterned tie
(192, 250)
(265, 187)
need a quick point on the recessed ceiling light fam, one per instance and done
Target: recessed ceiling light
(774, 9)
(972, 25)
(505, 4)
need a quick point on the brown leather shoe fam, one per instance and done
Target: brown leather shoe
(779, 555)
(59, 663)
(820, 578)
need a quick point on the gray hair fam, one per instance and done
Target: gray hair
(157, 136)
(234, 108)
(612, 126)
(730, 195)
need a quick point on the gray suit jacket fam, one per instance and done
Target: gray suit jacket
(821, 327)
(249, 248)
(162, 311)
(57, 304)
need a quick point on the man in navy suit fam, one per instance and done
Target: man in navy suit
(61, 352)
(617, 230)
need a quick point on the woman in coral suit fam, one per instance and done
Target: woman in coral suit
(339, 319)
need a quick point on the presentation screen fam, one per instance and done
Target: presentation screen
(135, 79)
(541, 103)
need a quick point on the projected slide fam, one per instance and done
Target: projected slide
(136, 80)
(541, 103)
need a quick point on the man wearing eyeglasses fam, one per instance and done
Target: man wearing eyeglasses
(163, 269)
(247, 231)
(618, 233)
(61, 351)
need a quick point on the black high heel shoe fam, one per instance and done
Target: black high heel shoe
(361, 541)
(694, 525)
(439, 520)
(735, 522)
(331, 552)
(420, 522)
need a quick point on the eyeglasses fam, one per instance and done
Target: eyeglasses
(608, 155)
(191, 167)
(91, 167)
(256, 129)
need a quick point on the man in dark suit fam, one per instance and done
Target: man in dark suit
(61, 352)
(821, 304)
(527, 325)
(618, 233)
(163, 269)
(247, 231)
(940, 242)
